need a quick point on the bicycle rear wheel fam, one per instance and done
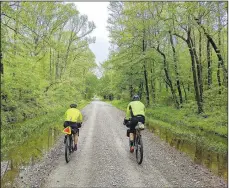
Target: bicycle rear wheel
(68, 149)
(139, 149)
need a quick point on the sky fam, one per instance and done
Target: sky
(98, 13)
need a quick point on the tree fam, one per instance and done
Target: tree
(46, 57)
(161, 48)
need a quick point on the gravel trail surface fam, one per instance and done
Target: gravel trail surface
(103, 158)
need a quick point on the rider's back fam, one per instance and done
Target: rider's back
(137, 107)
(73, 115)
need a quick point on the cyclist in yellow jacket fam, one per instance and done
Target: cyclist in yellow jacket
(73, 118)
(135, 113)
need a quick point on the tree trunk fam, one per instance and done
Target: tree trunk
(209, 65)
(146, 85)
(131, 85)
(175, 67)
(199, 61)
(185, 94)
(140, 89)
(217, 51)
(195, 80)
(153, 85)
(168, 80)
(198, 67)
(218, 78)
(131, 90)
(1, 64)
(145, 72)
(219, 43)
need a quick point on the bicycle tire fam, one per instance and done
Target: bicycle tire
(139, 150)
(72, 144)
(67, 149)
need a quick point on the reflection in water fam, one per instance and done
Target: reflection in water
(28, 153)
(198, 154)
(215, 161)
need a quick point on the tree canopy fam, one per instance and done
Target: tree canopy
(172, 53)
(46, 59)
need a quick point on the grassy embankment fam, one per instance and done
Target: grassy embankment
(27, 141)
(29, 138)
(210, 132)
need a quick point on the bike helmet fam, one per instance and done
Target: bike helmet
(136, 98)
(73, 105)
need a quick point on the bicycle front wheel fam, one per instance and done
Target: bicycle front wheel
(67, 149)
(139, 149)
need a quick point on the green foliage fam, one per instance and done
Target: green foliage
(32, 130)
(46, 58)
(47, 65)
(185, 117)
(120, 104)
(161, 67)
(91, 85)
(211, 131)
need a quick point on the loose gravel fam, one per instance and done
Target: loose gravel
(103, 159)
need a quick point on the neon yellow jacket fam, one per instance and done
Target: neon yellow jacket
(138, 108)
(73, 115)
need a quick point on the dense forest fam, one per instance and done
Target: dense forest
(174, 56)
(46, 64)
(169, 53)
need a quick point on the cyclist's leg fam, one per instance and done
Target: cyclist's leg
(131, 135)
(76, 137)
(133, 123)
(75, 134)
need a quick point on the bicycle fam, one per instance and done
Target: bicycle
(138, 144)
(69, 143)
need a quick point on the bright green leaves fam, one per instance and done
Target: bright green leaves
(134, 24)
(46, 58)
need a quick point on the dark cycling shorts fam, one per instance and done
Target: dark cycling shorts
(134, 121)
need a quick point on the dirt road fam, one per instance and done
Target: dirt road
(103, 158)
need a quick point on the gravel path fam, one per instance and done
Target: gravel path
(103, 159)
